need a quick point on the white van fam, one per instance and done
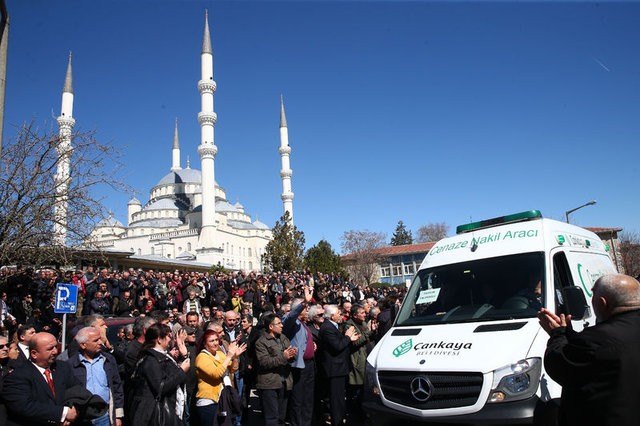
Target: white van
(466, 346)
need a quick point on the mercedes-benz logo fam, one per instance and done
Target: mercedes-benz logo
(421, 388)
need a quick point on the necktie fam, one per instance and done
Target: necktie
(47, 374)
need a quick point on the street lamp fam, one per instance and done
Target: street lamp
(566, 214)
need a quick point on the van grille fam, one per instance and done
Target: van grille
(450, 390)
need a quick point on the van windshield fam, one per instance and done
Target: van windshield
(498, 288)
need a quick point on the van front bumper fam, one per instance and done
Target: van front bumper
(518, 412)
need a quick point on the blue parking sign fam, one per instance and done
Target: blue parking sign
(66, 299)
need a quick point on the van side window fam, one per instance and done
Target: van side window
(561, 278)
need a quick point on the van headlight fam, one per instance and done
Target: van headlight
(371, 387)
(516, 381)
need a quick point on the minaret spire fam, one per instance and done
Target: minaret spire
(283, 117)
(285, 171)
(68, 80)
(207, 149)
(206, 40)
(64, 149)
(175, 164)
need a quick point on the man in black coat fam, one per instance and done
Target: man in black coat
(334, 360)
(34, 393)
(598, 367)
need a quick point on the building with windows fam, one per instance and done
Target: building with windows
(188, 217)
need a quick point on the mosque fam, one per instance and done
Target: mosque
(188, 217)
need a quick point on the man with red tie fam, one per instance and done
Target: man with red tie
(34, 393)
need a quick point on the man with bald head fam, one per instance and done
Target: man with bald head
(599, 367)
(34, 393)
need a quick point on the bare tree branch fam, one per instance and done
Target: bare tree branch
(28, 188)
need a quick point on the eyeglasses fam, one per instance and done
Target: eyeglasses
(4, 345)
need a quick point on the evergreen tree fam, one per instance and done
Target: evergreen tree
(322, 258)
(285, 252)
(401, 236)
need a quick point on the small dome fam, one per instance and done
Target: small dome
(224, 206)
(260, 225)
(240, 225)
(238, 206)
(134, 201)
(109, 222)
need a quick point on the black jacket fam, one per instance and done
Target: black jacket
(29, 399)
(599, 370)
(334, 357)
(153, 369)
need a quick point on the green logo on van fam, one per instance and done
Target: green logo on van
(403, 348)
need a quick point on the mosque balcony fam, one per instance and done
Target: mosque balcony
(287, 196)
(207, 86)
(66, 122)
(207, 118)
(284, 150)
(172, 234)
(207, 151)
(286, 173)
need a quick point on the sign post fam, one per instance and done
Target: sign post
(65, 303)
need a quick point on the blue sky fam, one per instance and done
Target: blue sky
(415, 111)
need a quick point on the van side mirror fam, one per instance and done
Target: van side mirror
(575, 303)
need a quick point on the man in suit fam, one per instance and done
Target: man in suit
(34, 393)
(335, 360)
(25, 334)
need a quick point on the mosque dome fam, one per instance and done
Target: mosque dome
(260, 225)
(224, 206)
(134, 201)
(109, 222)
(181, 176)
(166, 204)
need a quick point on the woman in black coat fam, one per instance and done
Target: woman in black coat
(157, 375)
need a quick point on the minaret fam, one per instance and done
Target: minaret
(207, 149)
(285, 171)
(64, 150)
(175, 164)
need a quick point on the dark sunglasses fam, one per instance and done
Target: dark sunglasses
(4, 345)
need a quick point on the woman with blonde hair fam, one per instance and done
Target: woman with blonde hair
(212, 366)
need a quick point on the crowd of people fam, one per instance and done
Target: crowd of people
(199, 346)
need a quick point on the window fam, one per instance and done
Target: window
(188, 246)
(249, 252)
(153, 250)
(397, 270)
(409, 269)
(499, 288)
(139, 252)
(385, 271)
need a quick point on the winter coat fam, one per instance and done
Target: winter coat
(153, 369)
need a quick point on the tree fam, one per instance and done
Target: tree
(361, 257)
(401, 236)
(630, 252)
(284, 252)
(432, 232)
(28, 188)
(322, 258)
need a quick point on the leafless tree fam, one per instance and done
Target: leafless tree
(432, 232)
(361, 257)
(28, 165)
(630, 252)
